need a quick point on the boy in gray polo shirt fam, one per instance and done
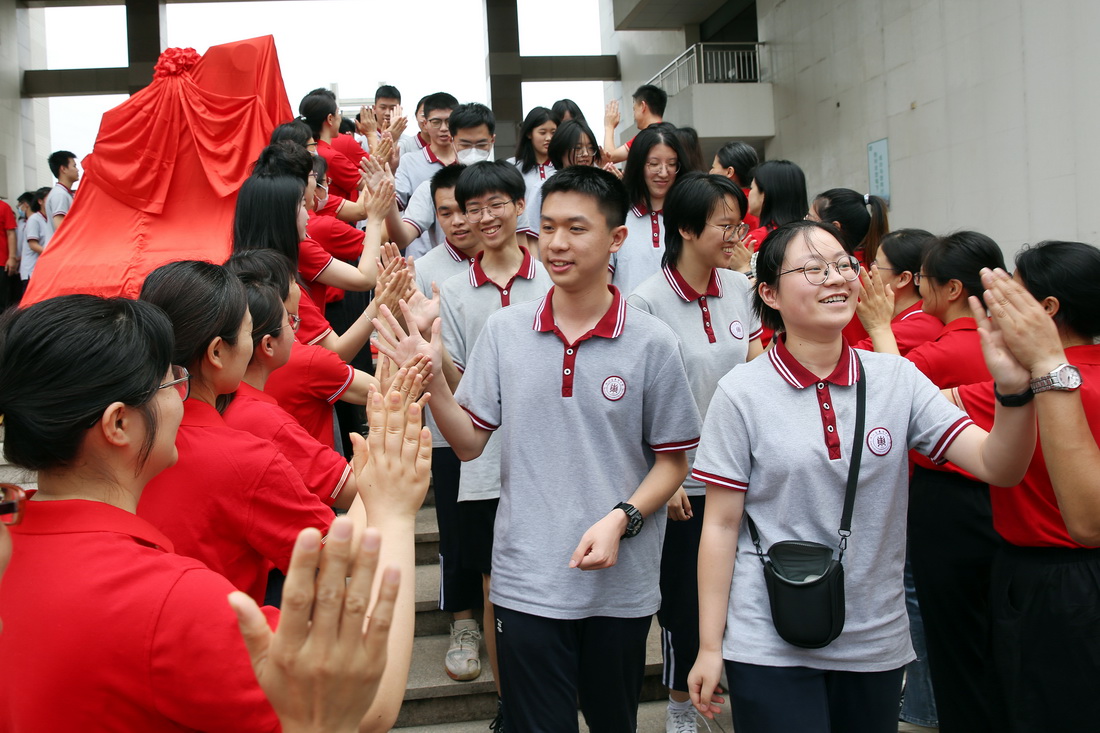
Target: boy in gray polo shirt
(595, 412)
(459, 588)
(67, 172)
(418, 166)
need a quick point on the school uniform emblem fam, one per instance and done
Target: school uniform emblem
(614, 388)
(737, 330)
(879, 441)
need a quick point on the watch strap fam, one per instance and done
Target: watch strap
(1014, 400)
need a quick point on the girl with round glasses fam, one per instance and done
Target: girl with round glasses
(573, 144)
(777, 442)
(708, 305)
(650, 173)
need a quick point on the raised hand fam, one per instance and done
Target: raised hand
(320, 670)
(611, 117)
(1023, 324)
(875, 307)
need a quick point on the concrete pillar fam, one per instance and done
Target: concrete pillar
(146, 35)
(505, 77)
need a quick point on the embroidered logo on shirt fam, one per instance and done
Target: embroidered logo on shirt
(614, 388)
(737, 330)
(879, 441)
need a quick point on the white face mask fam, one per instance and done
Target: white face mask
(470, 156)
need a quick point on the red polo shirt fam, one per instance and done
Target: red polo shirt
(312, 261)
(107, 629)
(313, 326)
(1028, 514)
(231, 501)
(323, 470)
(332, 205)
(912, 327)
(954, 357)
(338, 238)
(751, 220)
(308, 385)
(344, 173)
(346, 143)
(7, 218)
(759, 234)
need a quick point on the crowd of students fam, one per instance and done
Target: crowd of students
(615, 366)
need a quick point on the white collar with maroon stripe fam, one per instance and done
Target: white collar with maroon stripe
(686, 292)
(845, 374)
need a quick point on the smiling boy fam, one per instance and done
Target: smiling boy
(594, 411)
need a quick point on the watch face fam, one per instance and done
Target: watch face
(1069, 376)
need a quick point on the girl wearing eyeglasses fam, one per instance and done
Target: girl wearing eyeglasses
(650, 173)
(106, 627)
(708, 305)
(777, 442)
(952, 541)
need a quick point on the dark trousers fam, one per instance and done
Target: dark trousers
(548, 666)
(790, 699)
(459, 588)
(341, 314)
(951, 548)
(679, 613)
(1046, 637)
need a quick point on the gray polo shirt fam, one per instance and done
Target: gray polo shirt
(640, 256)
(420, 212)
(533, 179)
(409, 144)
(714, 328)
(579, 426)
(58, 201)
(438, 266)
(416, 167)
(776, 432)
(468, 300)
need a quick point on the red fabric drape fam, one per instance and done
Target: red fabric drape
(161, 182)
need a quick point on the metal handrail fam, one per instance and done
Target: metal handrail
(711, 63)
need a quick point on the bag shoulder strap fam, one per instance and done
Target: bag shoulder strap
(845, 530)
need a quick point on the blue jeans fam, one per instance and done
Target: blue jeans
(918, 705)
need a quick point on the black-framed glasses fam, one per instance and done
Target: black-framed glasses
(584, 150)
(478, 212)
(12, 500)
(731, 232)
(181, 380)
(437, 122)
(817, 270)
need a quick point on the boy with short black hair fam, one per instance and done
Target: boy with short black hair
(649, 109)
(460, 589)
(595, 412)
(64, 168)
(418, 141)
(419, 166)
(502, 273)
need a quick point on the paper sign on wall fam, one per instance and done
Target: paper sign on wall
(878, 168)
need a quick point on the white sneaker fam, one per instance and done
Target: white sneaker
(462, 661)
(680, 721)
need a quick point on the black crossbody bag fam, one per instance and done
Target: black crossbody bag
(805, 583)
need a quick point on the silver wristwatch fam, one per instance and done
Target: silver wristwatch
(1065, 377)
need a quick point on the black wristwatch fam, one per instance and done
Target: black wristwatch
(634, 519)
(1014, 400)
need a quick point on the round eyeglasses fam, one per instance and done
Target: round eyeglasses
(817, 270)
(730, 232)
(181, 380)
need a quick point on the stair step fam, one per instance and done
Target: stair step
(651, 719)
(433, 698)
(430, 620)
(427, 536)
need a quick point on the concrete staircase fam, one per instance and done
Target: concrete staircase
(434, 703)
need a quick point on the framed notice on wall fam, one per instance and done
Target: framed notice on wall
(878, 168)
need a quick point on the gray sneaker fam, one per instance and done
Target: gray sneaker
(462, 661)
(681, 721)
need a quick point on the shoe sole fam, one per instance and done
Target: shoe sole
(462, 678)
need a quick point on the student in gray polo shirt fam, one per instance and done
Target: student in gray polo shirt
(419, 165)
(503, 273)
(67, 172)
(792, 413)
(459, 587)
(595, 413)
(709, 307)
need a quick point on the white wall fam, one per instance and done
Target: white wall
(24, 123)
(991, 107)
